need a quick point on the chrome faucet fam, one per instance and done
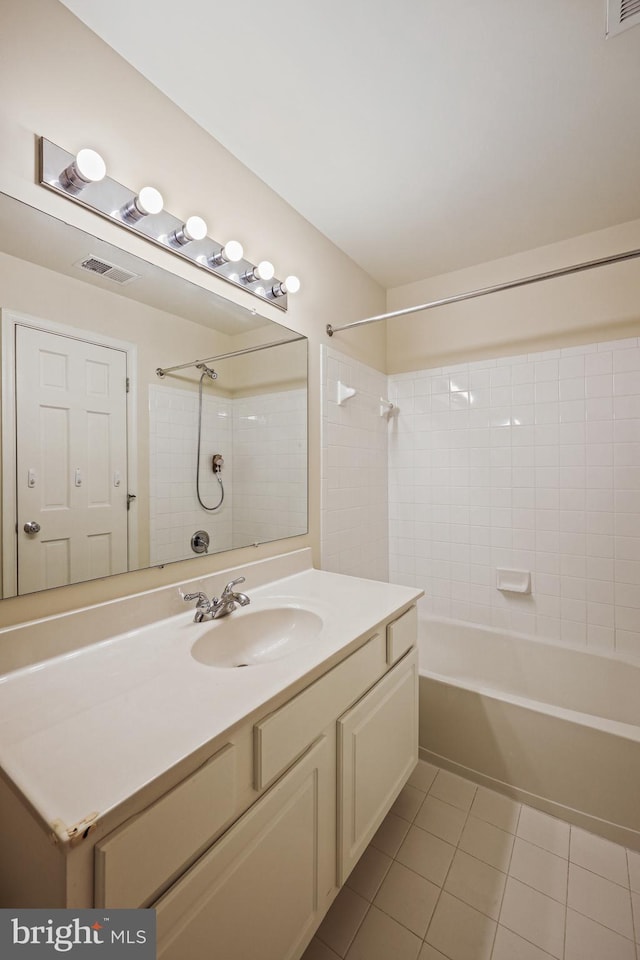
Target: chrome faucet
(214, 609)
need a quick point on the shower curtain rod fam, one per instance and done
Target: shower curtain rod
(496, 288)
(162, 371)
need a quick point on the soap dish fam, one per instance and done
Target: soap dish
(513, 581)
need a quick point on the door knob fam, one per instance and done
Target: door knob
(32, 526)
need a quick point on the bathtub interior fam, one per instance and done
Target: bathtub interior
(563, 760)
(520, 665)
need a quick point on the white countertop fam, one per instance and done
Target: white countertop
(81, 733)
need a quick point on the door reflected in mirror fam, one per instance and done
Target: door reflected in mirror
(108, 468)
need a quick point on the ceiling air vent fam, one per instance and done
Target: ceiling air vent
(106, 269)
(622, 15)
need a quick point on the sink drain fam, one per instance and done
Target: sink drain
(243, 664)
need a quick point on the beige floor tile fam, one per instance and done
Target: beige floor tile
(430, 953)
(382, 938)
(544, 831)
(509, 946)
(459, 931)
(539, 869)
(427, 855)
(369, 872)
(441, 819)
(408, 802)
(341, 923)
(390, 834)
(453, 789)
(423, 775)
(599, 855)
(497, 809)
(600, 899)
(534, 917)
(476, 883)
(317, 950)
(587, 940)
(634, 869)
(408, 898)
(635, 906)
(488, 843)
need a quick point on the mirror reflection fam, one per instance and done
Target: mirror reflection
(108, 467)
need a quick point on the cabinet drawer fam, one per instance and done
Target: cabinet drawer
(402, 635)
(285, 734)
(135, 861)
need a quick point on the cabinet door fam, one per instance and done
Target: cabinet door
(262, 889)
(377, 750)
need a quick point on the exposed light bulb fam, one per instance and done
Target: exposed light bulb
(147, 202)
(87, 167)
(231, 252)
(264, 271)
(290, 284)
(194, 228)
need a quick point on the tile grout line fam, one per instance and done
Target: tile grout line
(515, 834)
(566, 904)
(457, 847)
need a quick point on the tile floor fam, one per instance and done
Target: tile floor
(458, 872)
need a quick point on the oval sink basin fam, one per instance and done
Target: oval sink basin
(256, 637)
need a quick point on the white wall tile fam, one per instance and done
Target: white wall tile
(560, 492)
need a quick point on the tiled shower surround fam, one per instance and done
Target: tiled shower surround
(262, 439)
(529, 462)
(174, 512)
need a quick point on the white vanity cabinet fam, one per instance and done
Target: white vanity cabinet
(243, 847)
(263, 888)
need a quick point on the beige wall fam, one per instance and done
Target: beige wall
(61, 82)
(601, 304)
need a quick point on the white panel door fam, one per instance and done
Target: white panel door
(71, 426)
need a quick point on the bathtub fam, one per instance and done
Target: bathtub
(555, 727)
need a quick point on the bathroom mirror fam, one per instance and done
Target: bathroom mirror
(108, 467)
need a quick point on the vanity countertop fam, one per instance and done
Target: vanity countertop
(82, 732)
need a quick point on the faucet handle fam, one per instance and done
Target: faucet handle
(199, 596)
(229, 587)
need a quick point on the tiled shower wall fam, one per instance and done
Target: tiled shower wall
(263, 442)
(270, 466)
(174, 512)
(529, 462)
(354, 526)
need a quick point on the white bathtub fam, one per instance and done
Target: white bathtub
(556, 727)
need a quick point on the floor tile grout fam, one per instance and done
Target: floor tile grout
(504, 871)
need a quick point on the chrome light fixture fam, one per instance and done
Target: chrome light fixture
(231, 252)
(195, 228)
(82, 178)
(86, 167)
(146, 203)
(290, 284)
(265, 270)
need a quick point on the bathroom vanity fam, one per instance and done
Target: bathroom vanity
(219, 771)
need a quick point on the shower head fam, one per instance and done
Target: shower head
(207, 370)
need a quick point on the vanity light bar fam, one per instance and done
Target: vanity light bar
(82, 178)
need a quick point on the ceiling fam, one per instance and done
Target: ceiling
(420, 136)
